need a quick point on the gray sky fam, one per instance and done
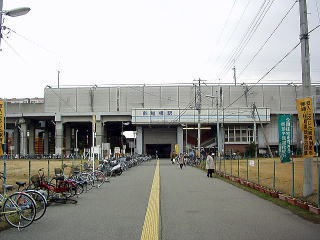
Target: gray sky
(146, 41)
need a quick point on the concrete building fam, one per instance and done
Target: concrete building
(161, 115)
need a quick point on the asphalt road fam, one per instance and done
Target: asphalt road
(192, 206)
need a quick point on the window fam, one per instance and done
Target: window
(238, 134)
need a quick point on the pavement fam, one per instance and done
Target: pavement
(192, 206)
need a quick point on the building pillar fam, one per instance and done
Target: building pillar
(31, 138)
(59, 137)
(46, 141)
(139, 140)
(68, 138)
(99, 133)
(23, 136)
(16, 140)
(180, 138)
(221, 131)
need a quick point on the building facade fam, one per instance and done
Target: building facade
(160, 115)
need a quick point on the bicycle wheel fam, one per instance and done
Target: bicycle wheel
(98, 178)
(19, 210)
(41, 203)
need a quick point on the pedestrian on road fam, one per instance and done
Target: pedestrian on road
(209, 165)
(173, 156)
(181, 160)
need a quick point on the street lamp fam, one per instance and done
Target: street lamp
(295, 88)
(16, 12)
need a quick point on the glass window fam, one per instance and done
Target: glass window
(237, 138)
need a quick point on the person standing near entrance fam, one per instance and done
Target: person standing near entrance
(181, 160)
(209, 165)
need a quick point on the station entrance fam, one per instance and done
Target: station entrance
(163, 150)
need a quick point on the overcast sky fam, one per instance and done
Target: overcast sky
(147, 41)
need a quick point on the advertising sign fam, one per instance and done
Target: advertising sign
(176, 147)
(2, 122)
(285, 136)
(305, 114)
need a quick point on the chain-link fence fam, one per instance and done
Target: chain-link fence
(271, 173)
(23, 169)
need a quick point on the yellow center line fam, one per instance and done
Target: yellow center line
(151, 224)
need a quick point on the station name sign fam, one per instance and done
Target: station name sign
(207, 116)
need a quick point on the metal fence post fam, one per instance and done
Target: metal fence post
(238, 167)
(292, 176)
(247, 170)
(231, 167)
(274, 175)
(258, 171)
(48, 169)
(224, 166)
(29, 171)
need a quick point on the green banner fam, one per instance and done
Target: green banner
(285, 137)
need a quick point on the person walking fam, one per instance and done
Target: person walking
(209, 165)
(181, 160)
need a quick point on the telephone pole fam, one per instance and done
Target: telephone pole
(198, 107)
(306, 86)
(234, 75)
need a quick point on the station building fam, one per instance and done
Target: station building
(161, 116)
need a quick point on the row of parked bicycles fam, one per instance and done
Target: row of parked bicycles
(29, 203)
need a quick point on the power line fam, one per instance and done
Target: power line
(234, 30)
(14, 50)
(266, 74)
(265, 7)
(246, 33)
(226, 22)
(264, 44)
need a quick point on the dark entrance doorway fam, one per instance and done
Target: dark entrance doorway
(163, 150)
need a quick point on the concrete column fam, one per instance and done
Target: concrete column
(23, 137)
(68, 138)
(59, 137)
(16, 140)
(31, 138)
(99, 133)
(46, 141)
(139, 139)
(180, 138)
(222, 139)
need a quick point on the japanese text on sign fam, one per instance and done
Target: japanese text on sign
(285, 136)
(305, 113)
(2, 122)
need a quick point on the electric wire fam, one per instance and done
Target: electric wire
(233, 32)
(226, 22)
(266, 41)
(14, 51)
(249, 37)
(266, 74)
(264, 9)
(245, 34)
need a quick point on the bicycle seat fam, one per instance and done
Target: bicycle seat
(8, 187)
(76, 172)
(21, 184)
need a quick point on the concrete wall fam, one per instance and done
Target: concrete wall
(279, 98)
(160, 136)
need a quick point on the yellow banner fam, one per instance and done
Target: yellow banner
(305, 114)
(176, 147)
(2, 122)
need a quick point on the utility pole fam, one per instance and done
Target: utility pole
(198, 107)
(234, 75)
(1, 8)
(306, 86)
(254, 131)
(58, 78)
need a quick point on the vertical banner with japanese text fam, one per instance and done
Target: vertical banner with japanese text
(1, 126)
(305, 114)
(285, 136)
